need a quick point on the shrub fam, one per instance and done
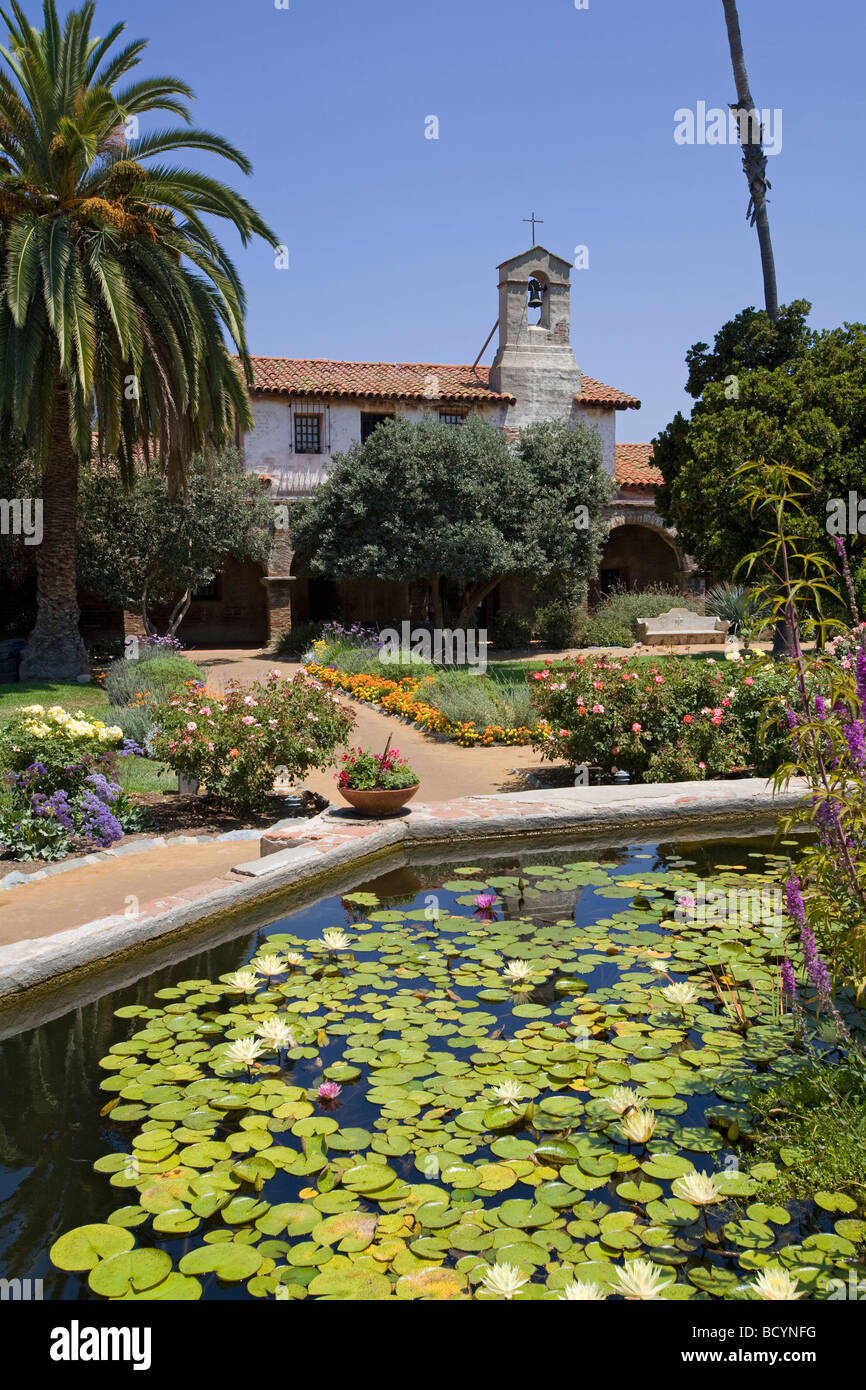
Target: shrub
(154, 676)
(298, 641)
(556, 624)
(464, 698)
(235, 744)
(625, 606)
(606, 632)
(618, 713)
(140, 723)
(675, 763)
(510, 632)
(739, 605)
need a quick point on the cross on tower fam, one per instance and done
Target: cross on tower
(533, 219)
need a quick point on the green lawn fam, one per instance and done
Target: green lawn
(72, 697)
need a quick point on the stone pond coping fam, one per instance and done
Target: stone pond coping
(304, 860)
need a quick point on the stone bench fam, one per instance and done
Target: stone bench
(680, 627)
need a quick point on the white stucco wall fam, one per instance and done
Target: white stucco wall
(269, 446)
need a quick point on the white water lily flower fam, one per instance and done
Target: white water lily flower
(681, 994)
(639, 1126)
(699, 1189)
(334, 940)
(777, 1285)
(243, 1052)
(641, 1279)
(269, 965)
(244, 981)
(587, 1291)
(508, 1091)
(294, 959)
(504, 1280)
(621, 1099)
(659, 966)
(518, 971)
(276, 1032)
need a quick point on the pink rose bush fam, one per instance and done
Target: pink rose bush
(659, 719)
(235, 744)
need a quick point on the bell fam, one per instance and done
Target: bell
(535, 293)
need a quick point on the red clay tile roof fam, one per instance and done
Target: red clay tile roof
(596, 393)
(401, 381)
(634, 466)
(391, 380)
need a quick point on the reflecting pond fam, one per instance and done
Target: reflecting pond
(399, 1091)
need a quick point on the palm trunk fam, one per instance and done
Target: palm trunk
(754, 160)
(55, 651)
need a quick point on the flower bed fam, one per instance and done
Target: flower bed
(674, 720)
(58, 787)
(404, 697)
(677, 720)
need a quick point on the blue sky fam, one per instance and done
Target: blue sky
(394, 238)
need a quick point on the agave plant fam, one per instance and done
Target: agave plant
(115, 293)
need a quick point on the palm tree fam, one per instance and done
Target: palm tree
(754, 159)
(115, 294)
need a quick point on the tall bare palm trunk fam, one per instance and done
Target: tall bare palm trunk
(55, 651)
(754, 159)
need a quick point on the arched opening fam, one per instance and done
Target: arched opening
(636, 557)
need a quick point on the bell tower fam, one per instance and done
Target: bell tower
(535, 362)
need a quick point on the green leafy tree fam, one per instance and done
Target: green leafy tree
(143, 546)
(458, 509)
(115, 293)
(777, 392)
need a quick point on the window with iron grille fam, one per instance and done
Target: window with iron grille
(451, 417)
(308, 434)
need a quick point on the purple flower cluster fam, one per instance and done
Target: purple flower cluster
(162, 644)
(789, 983)
(816, 969)
(97, 821)
(108, 792)
(56, 807)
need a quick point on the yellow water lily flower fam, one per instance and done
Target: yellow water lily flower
(699, 1189)
(777, 1285)
(504, 1280)
(641, 1279)
(639, 1126)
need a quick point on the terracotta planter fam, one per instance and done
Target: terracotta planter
(379, 803)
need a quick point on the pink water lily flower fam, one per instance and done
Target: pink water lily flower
(485, 901)
(328, 1091)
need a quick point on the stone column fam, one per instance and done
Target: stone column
(278, 581)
